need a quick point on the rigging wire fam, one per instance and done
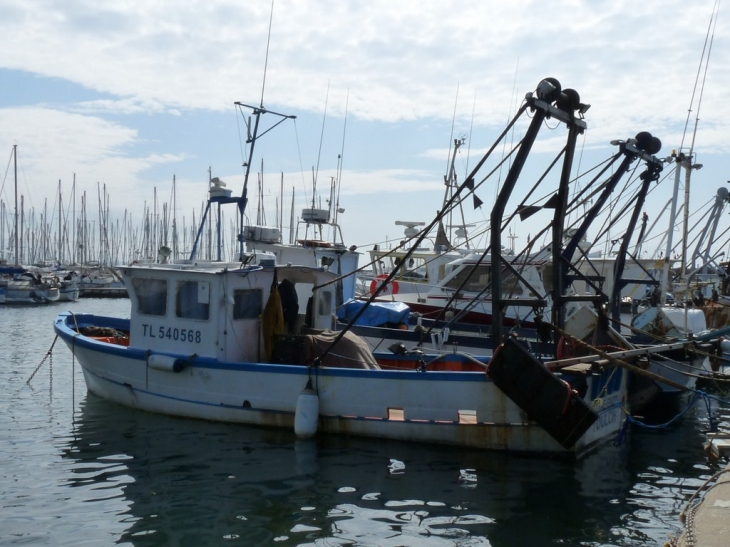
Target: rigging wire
(451, 134)
(710, 36)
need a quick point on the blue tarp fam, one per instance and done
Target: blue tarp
(376, 314)
(11, 270)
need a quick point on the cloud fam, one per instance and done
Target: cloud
(392, 65)
(123, 106)
(55, 145)
(400, 61)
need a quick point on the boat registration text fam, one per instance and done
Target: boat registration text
(170, 333)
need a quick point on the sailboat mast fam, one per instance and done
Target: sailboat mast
(60, 238)
(74, 256)
(174, 219)
(22, 224)
(15, 170)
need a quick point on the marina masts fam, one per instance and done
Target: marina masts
(15, 171)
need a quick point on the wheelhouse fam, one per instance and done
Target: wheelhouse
(220, 314)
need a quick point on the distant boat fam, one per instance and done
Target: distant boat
(17, 284)
(27, 288)
(424, 268)
(265, 242)
(69, 286)
(465, 290)
(101, 283)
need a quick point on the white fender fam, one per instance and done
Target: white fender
(306, 416)
(165, 363)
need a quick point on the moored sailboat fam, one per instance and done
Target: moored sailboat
(17, 284)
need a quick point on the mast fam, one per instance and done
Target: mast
(449, 181)
(15, 170)
(220, 196)
(679, 160)
(174, 219)
(73, 224)
(281, 205)
(688, 166)
(45, 227)
(291, 218)
(22, 224)
(60, 238)
(339, 174)
(2, 228)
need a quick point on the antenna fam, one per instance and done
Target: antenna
(252, 127)
(340, 160)
(266, 60)
(321, 138)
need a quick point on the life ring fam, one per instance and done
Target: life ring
(390, 288)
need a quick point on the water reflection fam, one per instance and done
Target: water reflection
(108, 475)
(174, 481)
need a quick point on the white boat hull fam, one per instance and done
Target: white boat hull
(69, 293)
(456, 408)
(25, 294)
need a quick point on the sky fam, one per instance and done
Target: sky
(123, 96)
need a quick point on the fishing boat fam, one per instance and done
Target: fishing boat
(265, 243)
(466, 288)
(660, 370)
(419, 269)
(257, 344)
(200, 343)
(423, 270)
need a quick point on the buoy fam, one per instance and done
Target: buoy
(306, 416)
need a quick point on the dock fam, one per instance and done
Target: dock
(707, 522)
(103, 292)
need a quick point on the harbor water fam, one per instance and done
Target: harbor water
(76, 470)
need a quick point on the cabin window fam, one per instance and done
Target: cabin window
(482, 277)
(193, 300)
(415, 269)
(151, 295)
(477, 280)
(378, 264)
(511, 284)
(247, 303)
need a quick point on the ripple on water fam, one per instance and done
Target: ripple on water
(76, 470)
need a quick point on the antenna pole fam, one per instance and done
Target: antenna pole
(266, 60)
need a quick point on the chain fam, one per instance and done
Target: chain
(689, 529)
(689, 532)
(687, 516)
(49, 353)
